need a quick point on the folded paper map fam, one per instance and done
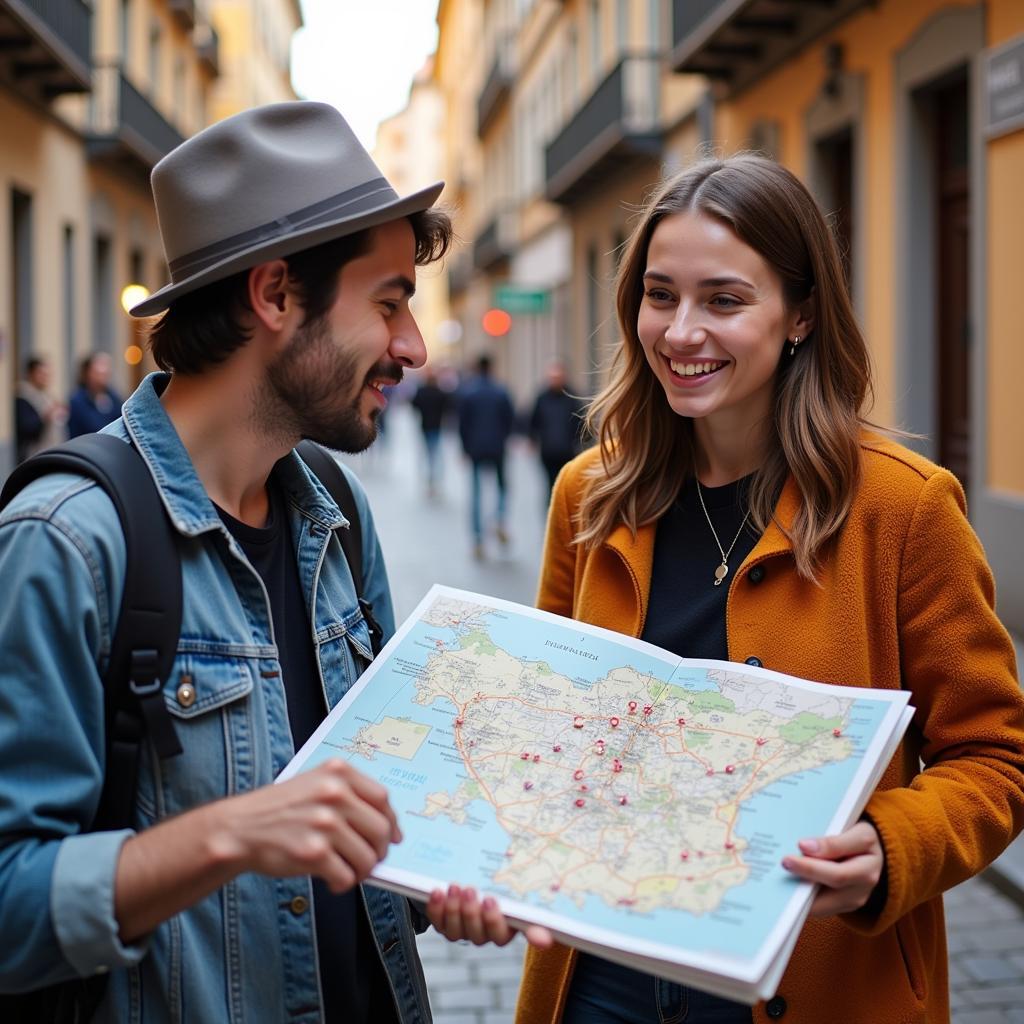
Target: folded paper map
(636, 803)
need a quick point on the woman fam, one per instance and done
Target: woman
(94, 403)
(737, 507)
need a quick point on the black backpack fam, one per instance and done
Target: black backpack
(143, 646)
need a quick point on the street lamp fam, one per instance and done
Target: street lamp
(132, 295)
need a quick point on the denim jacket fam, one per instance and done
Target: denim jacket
(246, 953)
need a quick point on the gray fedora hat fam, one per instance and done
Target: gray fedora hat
(263, 184)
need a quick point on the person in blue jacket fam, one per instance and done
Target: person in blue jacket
(94, 403)
(486, 420)
(225, 898)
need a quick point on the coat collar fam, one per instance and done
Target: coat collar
(637, 552)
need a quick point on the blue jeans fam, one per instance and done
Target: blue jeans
(432, 445)
(498, 465)
(607, 993)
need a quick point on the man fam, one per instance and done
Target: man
(431, 402)
(556, 423)
(292, 265)
(486, 418)
(37, 415)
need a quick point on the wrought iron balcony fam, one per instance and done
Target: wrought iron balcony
(207, 44)
(496, 242)
(125, 128)
(498, 85)
(734, 42)
(617, 125)
(45, 46)
(184, 11)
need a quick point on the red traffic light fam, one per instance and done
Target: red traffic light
(496, 322)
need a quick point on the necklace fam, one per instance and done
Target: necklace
(723, 570)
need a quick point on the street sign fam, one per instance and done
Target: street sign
(1004, 88)
(514, 299)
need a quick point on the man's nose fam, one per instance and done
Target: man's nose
(407, 346)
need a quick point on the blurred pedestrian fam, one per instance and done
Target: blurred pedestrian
(432, 402)
(38, 416)
(486, 418)
(556, 424)
(94, 403)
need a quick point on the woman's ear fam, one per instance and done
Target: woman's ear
(804, 317)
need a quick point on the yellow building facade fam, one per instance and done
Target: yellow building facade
(92, 95)
(905, 117)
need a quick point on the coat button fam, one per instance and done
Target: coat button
(756, 662)
(756, 574)
(299, 905)
(186, 692)
(775, 1007)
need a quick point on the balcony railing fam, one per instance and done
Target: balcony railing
(498, 85)
(124, 125)
(733, 42)
(46, 45)
(619, 123)
(207, 44)
(184, 11)
(496, 242)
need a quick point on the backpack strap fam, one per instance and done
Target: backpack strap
(330, 474)
(149, 621)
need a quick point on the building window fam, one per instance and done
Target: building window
(21, 267)
(125, 29)
(68, 268)
(102, 295)
(595, 38)
(622, 26)
(154, 57)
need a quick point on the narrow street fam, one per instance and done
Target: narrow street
(428, 541)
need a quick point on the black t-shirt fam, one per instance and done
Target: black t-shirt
(352, 977)
(685, 610)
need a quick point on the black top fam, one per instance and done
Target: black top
(352, 977)
(556, 424)
(685, 610)
(432, 404)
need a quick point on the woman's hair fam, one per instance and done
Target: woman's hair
(204, 327)
(647, 449)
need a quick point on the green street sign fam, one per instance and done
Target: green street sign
(514, 299)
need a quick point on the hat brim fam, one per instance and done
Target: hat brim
(286, 245)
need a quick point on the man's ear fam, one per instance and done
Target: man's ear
(271, 295)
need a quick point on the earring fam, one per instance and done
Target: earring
(793, 344)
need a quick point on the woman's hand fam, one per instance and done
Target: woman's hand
(847, 867)
(461, 915)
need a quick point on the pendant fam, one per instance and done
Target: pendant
(720, 573)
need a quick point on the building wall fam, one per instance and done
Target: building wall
(892, 53)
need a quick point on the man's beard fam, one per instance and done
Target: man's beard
(304, 393)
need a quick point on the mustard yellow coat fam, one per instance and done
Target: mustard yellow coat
(905, 600)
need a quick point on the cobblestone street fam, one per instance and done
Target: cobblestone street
(427, 541)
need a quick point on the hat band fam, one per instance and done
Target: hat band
(353, 201)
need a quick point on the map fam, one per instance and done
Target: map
(637, 803)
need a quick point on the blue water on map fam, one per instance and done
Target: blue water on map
(427, 847)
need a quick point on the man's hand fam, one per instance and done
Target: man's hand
(461, 915)
(847, 867)
(331, 822)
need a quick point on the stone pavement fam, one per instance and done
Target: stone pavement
(427, 541)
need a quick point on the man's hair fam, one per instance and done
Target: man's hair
(483, 365)
(204, 327)
(32, 364)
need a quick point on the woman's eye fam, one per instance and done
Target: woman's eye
(725, 301)
(658, 295)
